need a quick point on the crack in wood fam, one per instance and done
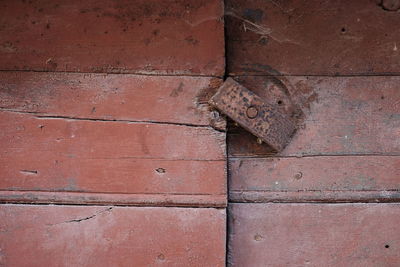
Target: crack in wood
(84, 218)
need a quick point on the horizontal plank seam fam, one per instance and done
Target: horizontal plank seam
(44, 116)
(110, 193)
(11, 197)
(306, 190)
(348, 197)
(363, 75)
(144, 158)
(292, 197)
(316, 202)
(317, 155)
(4, 203)
(121, 73)
(160, 159)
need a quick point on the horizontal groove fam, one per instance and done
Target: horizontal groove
(154, 159)
(314, 190)
(45, 116)
(107, 199)
(315, 156)
(112, 193)
(111, 205)
(314, 202)
(159, 159)
(139, 73)
(362, 75)
(320, 196)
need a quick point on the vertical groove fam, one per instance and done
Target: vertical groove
(228, 230)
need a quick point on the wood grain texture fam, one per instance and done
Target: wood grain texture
(316, 173)
(314, 235)
(105, 236)
(64, 155)
(149, 37)
(109, 97)
(311, 38)
(343, 116)
(340, 178)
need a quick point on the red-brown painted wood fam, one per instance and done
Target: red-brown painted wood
(117, 199)
(314, 235)
(343, 116)
(311, 38)
(344, 196)
(340, 178)
(109, 97)
(111, 236)
(64, 155)
(152, 37)
(73, 137)
(347, 145)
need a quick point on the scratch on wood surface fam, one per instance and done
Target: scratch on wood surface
(201, 21)
(83, 218)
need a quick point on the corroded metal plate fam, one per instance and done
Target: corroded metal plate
(255, 115)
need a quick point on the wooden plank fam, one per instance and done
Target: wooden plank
(110, 97)
(149, 37)
(340, 178)
(111, 236)
(311, 38)
(64, 155)
(343, 116)
(314, 235)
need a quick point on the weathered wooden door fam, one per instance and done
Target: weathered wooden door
(330, 197)
(103, 116)
(111, 155)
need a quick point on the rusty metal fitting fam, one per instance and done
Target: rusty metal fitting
(251, 112)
